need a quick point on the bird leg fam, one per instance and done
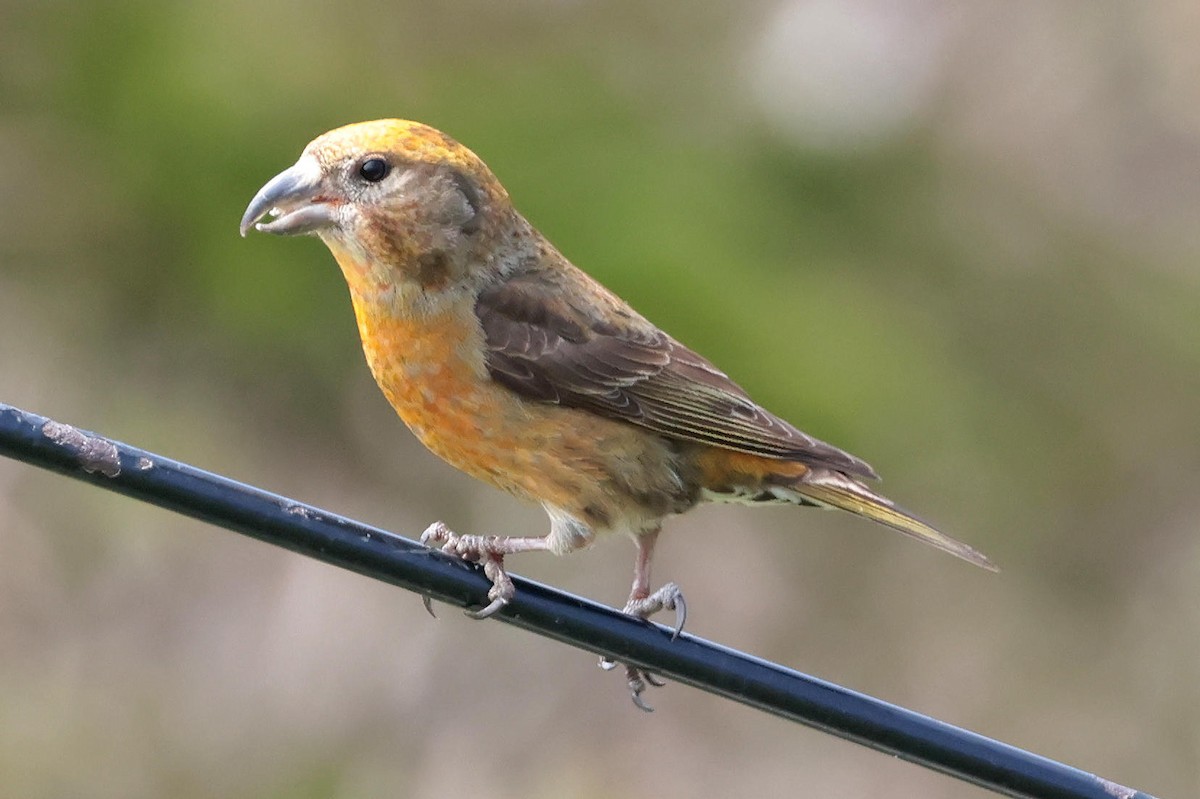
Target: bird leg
(488, 550)
(642, 604)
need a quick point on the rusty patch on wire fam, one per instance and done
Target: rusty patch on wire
(95, 454)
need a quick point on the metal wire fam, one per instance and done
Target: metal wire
(545, 611)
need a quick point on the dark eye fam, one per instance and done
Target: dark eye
(374, 169)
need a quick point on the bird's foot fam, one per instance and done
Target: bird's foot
(669, 597)
(637, 679)
(488, 550)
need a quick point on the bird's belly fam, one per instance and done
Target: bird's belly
(607, 474)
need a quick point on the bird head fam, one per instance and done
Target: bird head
(394, 200)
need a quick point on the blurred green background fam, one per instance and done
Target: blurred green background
(958, 240)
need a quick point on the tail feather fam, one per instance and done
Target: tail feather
(832, 489)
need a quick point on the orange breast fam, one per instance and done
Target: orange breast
(432, 372)
(611, 475)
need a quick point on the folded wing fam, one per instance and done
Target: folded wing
(557, 336)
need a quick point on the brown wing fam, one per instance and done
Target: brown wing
(555, 335)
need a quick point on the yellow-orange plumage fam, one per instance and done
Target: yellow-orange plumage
(515, 366)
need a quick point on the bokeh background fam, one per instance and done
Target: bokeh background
(958, 239)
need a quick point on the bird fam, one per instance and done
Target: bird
(521, 370)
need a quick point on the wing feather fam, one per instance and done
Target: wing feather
(555, 335)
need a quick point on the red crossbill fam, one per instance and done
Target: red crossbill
(521, 370)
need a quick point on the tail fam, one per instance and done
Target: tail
(832, 489)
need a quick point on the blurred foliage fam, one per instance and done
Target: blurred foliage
(995, 303)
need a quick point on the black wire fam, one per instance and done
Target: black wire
(545, 611)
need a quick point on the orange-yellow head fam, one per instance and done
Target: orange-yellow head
(396, 201)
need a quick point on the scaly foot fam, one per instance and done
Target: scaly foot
(669, 597)
(486, 549)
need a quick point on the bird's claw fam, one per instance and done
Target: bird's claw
(488, 609)
(669, 597)
(436, 535)
(655, 681)
(637, 679)
(636, 688)
(477, 549)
